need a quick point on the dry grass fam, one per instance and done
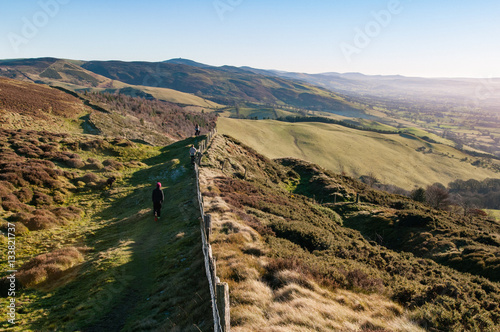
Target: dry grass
(292, 300)
(48, 267)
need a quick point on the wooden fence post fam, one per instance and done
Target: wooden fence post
(223, 305)
(208, 226)
(214, 274)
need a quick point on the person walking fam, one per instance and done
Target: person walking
(197, 130)
(158, 198)
(192, 153)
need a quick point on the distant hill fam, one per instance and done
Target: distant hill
(402, 160)
(410, 91)
(180, 61)
(225, 85)
(70, 75)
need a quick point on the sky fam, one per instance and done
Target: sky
(423, 38)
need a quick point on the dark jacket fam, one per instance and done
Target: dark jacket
(158, 196)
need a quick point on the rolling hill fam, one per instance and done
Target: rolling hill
(403, 160)
(225, 85)
(70, 75)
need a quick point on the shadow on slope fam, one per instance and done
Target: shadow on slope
(140, 274)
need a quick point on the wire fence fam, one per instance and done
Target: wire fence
(219, 291)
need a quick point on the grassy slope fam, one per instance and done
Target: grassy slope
(391, 158)
(292, 265)
(140, 274)
(135, 274)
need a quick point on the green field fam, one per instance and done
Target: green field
(392, 158)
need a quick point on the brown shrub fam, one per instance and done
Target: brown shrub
(8, 156)
(13, 178)
(20, 229)
(25, 195)
(64, 258)
(90, 177)
(94, 164)
(362, 281)
(123, 143)
(69, 213)
(41, 199)
(75, 163)
(57, 156)
(59, 196)
(115, 165)
(42, 219)
(53, 184)
(11, 203)
(41, 163)
(97, 144)
(35, 176)
(51, 147)
(21, 217)
(4, 191)
(135, 164)
(7, 185)
(30, 151)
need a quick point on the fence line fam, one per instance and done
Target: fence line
(219, 291)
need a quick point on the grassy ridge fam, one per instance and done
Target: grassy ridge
(392, 158)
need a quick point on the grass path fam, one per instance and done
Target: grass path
(141, 274)
(166, 286)
(138, 275)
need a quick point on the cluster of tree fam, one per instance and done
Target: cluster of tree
(167, 117)
(467, 197)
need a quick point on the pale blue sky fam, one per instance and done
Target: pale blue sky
(414, 38)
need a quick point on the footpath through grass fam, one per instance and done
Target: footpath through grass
(138, 274)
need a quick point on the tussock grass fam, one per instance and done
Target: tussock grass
(48, 267)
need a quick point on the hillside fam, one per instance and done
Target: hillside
(296, 263)
(224, 85)
(464, 110)
(88, 254)
(70, 75)
(403, 160)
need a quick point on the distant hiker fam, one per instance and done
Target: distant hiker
(197, 130)
(157, 200)
(192, 153)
